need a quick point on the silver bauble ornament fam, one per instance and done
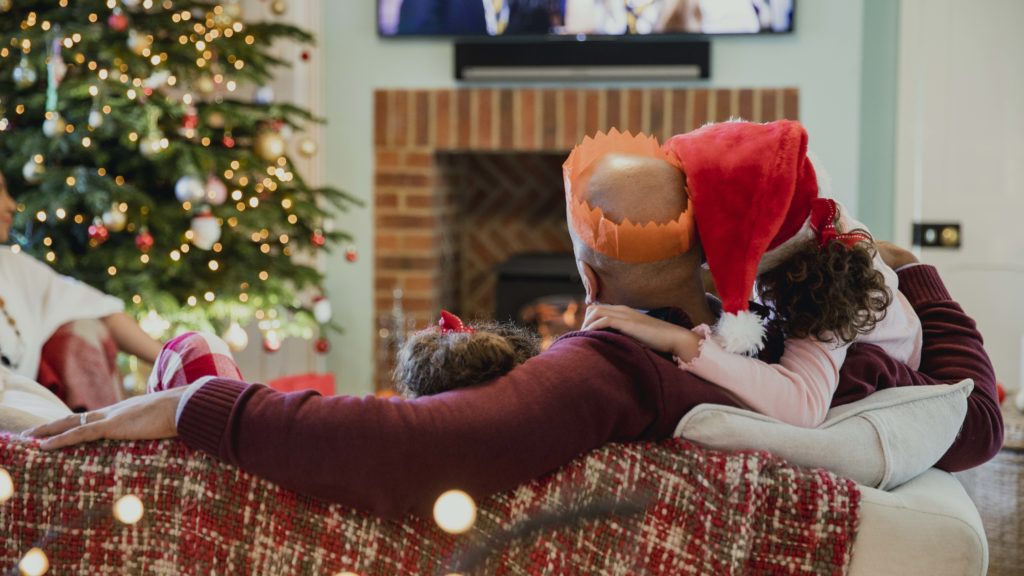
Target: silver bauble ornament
(269, 146)
(33, 171)
(264, 95)
(95, 119)
(24, 74)
(54, 125)
(236, 337)
(205, 230)
(322, 310)
(189, 189)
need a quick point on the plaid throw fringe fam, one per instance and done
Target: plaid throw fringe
(665, 508)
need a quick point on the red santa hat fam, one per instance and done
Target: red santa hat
(752, 189)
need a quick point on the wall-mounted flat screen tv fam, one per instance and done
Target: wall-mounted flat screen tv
(582, 18)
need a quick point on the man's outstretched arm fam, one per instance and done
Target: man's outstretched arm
(393, 456)
(952, 351)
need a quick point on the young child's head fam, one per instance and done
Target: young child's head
(453, 355)
(828, 291)
(762, 214)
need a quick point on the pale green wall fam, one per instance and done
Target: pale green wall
(822, 59)
(878, 116)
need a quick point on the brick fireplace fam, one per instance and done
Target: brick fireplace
(466, 178)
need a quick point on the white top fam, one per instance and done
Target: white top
(40, 301)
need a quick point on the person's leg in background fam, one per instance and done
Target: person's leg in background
(189, 357)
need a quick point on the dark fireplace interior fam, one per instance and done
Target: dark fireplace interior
(543, 291)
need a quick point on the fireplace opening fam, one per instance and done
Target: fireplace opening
(541, 291)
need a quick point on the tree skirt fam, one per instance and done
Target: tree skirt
(642, 508)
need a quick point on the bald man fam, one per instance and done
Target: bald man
(394, 456)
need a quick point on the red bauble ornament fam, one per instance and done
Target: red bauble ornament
(318, 239)
(305, 55)
(271, 342)
(1000, 392)
(351, 255)
(190, 121)
(98, 233)
(118, 22)
(322, 345)
(144, 241)
(228, 141)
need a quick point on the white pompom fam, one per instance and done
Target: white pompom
(740, 333)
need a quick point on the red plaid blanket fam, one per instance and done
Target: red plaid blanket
(79, 365)
(666, 508)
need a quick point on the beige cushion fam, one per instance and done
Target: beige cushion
(927, 526)
(881, 441)
(25, 404)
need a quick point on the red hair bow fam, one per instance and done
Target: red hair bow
(450, 323)
(823, 222)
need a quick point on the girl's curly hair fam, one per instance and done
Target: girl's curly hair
(831, 293)
(431, 362)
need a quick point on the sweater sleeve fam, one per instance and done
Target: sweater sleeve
(392, 456)
(952, 351)
(796, 391)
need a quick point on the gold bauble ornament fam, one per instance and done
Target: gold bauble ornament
(152, 144)
(6, 5)
(114, 219)
(139, 42)
(215, 120)
(269, 146)
(279, 7)
(308, 147)
(205, 84)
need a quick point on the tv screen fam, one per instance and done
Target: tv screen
(582, 18)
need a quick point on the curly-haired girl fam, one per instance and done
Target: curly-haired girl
(758, 215)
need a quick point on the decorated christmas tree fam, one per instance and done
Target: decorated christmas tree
(140, 169)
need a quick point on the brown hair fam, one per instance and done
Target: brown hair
(831, 293)
(431, 362)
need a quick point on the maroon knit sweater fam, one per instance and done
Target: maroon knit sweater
(392, 456)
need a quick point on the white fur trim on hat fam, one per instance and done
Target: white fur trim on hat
(740, 333)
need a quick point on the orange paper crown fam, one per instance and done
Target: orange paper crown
(626, 241)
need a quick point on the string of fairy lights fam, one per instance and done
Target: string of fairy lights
(454, 512)
(127, 510)
(218, 200)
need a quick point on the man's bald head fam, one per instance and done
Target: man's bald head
(638, 188)
(641, 189)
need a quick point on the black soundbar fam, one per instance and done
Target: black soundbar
(584, 60)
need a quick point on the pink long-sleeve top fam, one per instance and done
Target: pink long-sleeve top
(394, 456)
(798, 389)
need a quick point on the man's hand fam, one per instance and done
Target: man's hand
(895, 256)
(148, 417)
(656, 334)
